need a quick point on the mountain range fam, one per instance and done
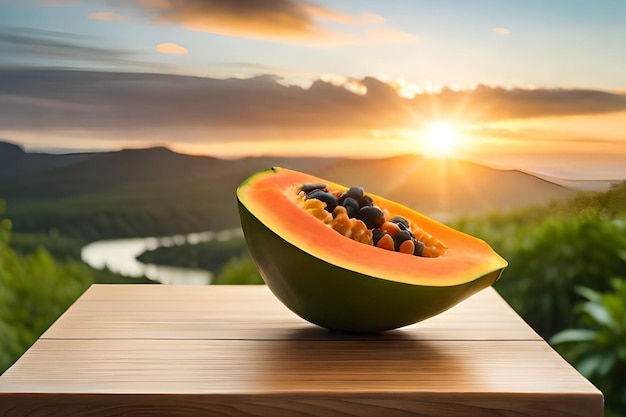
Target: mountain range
(202, 187)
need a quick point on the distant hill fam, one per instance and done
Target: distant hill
(15, 162)
(29, 176)
(448, 188)
(158, 191)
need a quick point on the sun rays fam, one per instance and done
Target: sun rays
(440, 139)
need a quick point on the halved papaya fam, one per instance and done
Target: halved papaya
(341, 284)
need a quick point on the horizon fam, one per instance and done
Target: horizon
(593, 185)
(522, 86)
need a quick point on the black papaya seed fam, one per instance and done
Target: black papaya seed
(351, 205)
(400, 221)
(355, 192)
(372, 216)
(366, 201)
(419, 247)
(377, 234)
(307, 187)
(400, 237)
(328, 198)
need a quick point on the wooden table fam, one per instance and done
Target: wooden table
(156, 350)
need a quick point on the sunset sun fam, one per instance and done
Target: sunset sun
(440, 139)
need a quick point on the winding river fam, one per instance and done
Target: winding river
(120, 256)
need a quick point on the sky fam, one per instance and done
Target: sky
(533, 85)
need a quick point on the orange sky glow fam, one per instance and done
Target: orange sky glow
(536, 86)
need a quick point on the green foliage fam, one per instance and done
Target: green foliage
(612, 203)
(547, 262)
(105, 276)
(562, 258)
(60, 246)
(91, 222)
(552, 249)
(35, 290)
(123, 209)
(598, 350)
(239, 271)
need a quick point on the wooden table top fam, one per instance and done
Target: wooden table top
(156, 350)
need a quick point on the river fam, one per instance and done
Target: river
(120, 256)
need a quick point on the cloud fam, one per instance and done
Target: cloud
(234, 109)
(171, 48)
(501, 30)
(499, 103)
(327, 14)
(287, 21)
(109, 16)
(26, 46)
(23, 42)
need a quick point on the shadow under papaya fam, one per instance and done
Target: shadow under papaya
(315, 359)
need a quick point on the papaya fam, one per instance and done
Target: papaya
(346, 284)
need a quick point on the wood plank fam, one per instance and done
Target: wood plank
(237, 351)
(295, 378)
(252, 312)
(292, 366)
(309, 404)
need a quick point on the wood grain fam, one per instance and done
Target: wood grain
(236, 351)
(385, 404)
(252, 312)
(257, 366)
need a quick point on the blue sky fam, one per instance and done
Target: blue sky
(536, 84)
(512, 43)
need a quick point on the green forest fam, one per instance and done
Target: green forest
(566, 278)
(38, 284)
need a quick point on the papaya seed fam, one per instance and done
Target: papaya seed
(418, 247)
(372, 216)
(386, 242)
(310, 186)
(354, 214)
(351, 205)
(391, 228)
(326, 197)
(407, 247)
(400, 237)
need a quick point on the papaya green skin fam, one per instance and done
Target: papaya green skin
(339, 299)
